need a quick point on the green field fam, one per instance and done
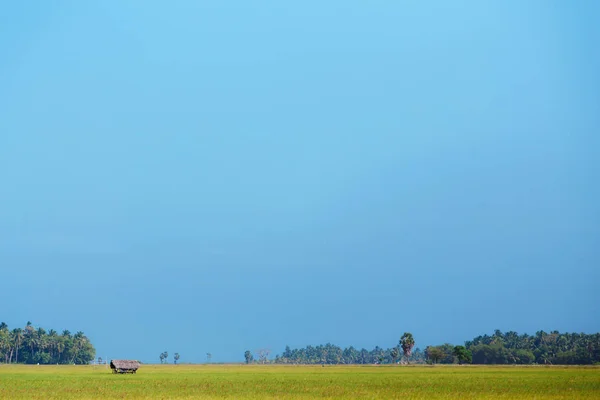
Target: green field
(299, 382)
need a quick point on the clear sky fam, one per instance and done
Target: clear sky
(216, 176)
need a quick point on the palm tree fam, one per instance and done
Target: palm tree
(5, 343)
(18, 337)
(60, 347)
(29, 338)
(407, 342)
(511, 339)
(79, 340)
(163, 357)
(52, 341)
(498, 337)
(11, 348)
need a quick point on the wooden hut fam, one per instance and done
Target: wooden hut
(124, 366)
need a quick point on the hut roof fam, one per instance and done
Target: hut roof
(124, 364)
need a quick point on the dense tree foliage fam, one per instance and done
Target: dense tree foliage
(434, 354)
(442, 354)
(463, 356)
(30, 345)
(541, 348)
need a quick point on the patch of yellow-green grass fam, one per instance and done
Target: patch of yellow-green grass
(300, 382)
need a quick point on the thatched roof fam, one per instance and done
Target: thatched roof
(124, 364)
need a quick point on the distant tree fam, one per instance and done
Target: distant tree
(407, 342)
(263, 355)
(418, 355)
(60, 348)
(248, 356)
(18, 337)
(434, 354)
(163, 357)
(498, 337)
(394, 353)
(5, 344)
(448, 357)
(175, 358)
(29, 341)
(462, 355)
(522, 356)
(490, 354)
(208, 357)
(287, 353)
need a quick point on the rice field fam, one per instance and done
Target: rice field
(300, 382)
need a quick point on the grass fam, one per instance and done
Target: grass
(300, 382)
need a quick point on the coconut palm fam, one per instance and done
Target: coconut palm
(60, 348)
(5, 343)
(18, 338)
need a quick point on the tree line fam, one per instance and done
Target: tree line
(30, 345)
(332, 354)
(541, 348)
(499, 348)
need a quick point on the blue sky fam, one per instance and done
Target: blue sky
(229, 175)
